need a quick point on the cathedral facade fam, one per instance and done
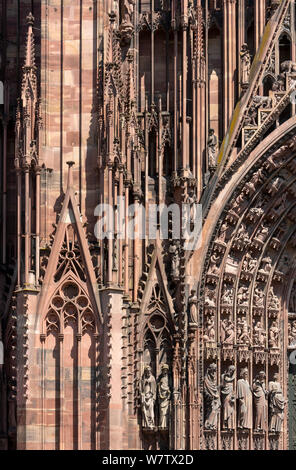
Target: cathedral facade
(115, 336)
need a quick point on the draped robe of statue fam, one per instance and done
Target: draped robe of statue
(244, 394)
(164, 397)
(212, 399)
(277, 406)
(228, 399)
(148, 389)
(260, 403)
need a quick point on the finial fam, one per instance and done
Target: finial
(30, 19)
(70, 173)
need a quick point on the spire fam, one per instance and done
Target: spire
(29, 82)
(30, 46)
(70, 174)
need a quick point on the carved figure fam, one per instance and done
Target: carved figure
(245, 58)
(227, 297)
(259, 334)
(212, 399)
(164, 397)
(258, 297)
(277, 404)
(228, 398)
(243, 295)
(260, 401)
(243, 332)
(288, 66)
(126, 9)
(274, 335)
(244, 395)
(210, 335)
(227, 332)
(174, 250)
(213, 264)
(210, 299)
(192, 302)
(212, 148)
(148, 395)
(292, 334)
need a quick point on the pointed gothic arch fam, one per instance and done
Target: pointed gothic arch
(245, 288)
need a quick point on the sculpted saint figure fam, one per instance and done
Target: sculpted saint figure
(192, 302)
(212, 399)
(244, 395)
(174, 250)
(212, 148)
(273, 335)
(259, 334)
(127, 8)
(213, 266)
(148, 394)
(209, 335)
(260, 401)
(164, 397)
(228, 398)
(243, 336)
(292, 334)
(227, 332)
(245, 64)
(276, 404)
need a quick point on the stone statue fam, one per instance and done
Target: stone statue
(244, 395)
(243, 295)
(260, 401)
(148, 394)
(258, 297)
(227, 297)
(175, 259)
(212, 149)
(164, 397)
(210, 335)
(228, 398)
(213, 264)
(212, 399)
(243, 336)
(245, 64)
(273, 340)
(126, 27)
(276, 404)
(223, 231)
(210, 299)
(126, 11)
(192, 302)
(292, 334)
(227, 332)
(259, 334)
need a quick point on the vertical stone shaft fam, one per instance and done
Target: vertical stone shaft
(229, 45)
(259, 22)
